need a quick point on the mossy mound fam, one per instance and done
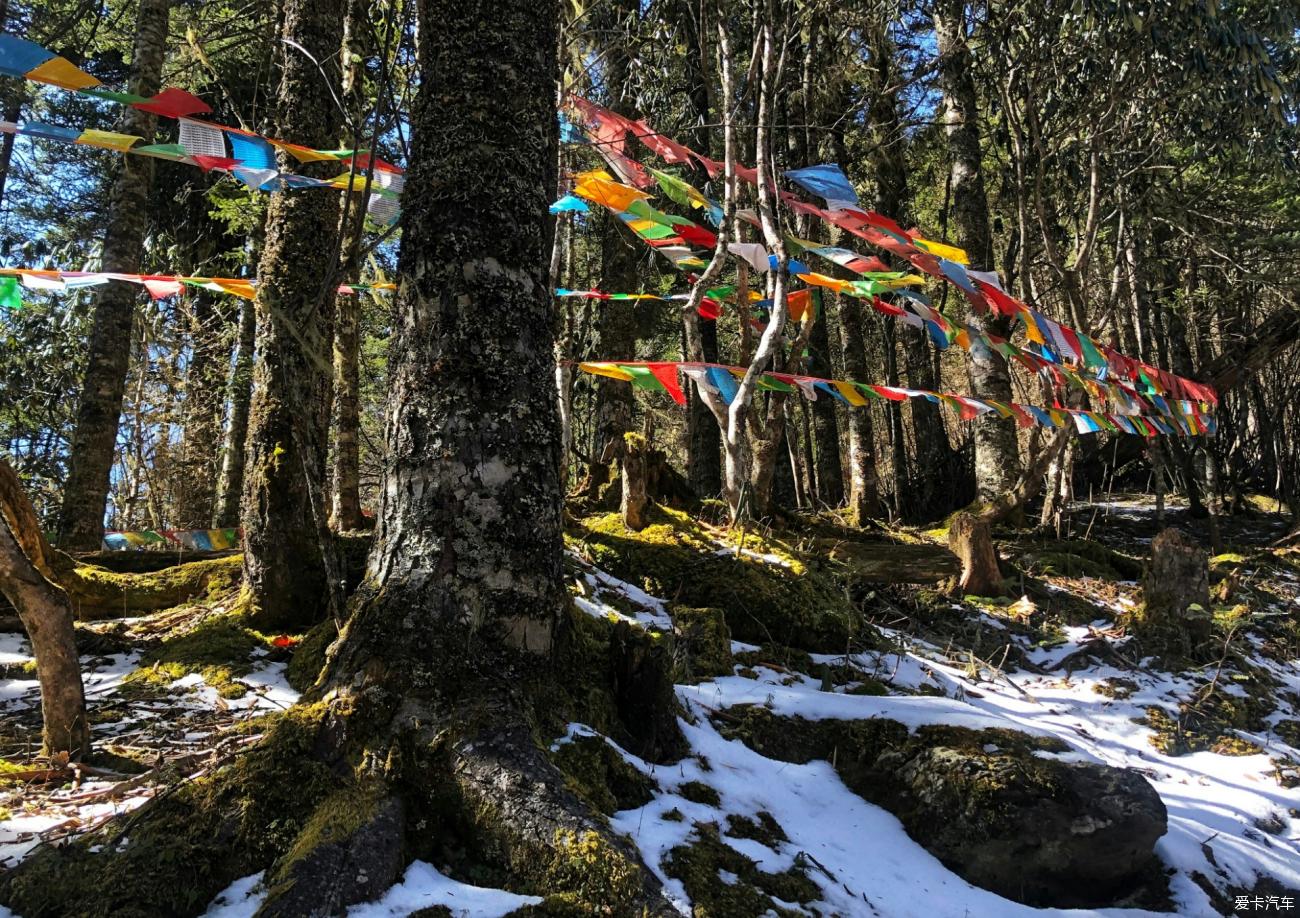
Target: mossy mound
(602, 777)
(1082, 558)
(787, 599)
(1211, 724)
(219, 648)
(753, 892)
(99, 593)
(197, 840)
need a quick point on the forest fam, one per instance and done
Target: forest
(723, 458)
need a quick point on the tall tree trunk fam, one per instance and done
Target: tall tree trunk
(864, 488)
(196, 492)
(90, 459)
(704, 452)
(919, 495)
(704, 446)
(826, 430)
(46, 616)
(286, 560)
(345, 512)
(240, 395)
(997, 456)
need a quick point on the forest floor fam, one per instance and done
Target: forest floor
(1219, 741)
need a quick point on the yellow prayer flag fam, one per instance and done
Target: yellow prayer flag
(108, 140)
(907, 280)
(241, 288)
(831, 283)
(942, 250)
(598, 186)
(850, 392)
(303, 154)
(613, 371)
(59, 71)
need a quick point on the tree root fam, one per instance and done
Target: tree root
(333, 803)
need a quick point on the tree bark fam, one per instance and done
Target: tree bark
(635, 499)
(46, 616)
(864, 487)
(971, 540)
(997, 458)
(284, 511)
(240, 388)
(90, 459)
(345, 512)
(196, 485)
(827, 469)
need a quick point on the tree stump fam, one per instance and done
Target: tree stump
(970, 538)
(636, 496)
(1176, 594)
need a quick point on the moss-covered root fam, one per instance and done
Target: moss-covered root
(174, 856)
(521, 815)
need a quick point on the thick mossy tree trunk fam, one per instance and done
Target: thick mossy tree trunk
(90, 459)
(997, 457)
(46, 615)
(421, 736)
(284, 509)
(240, 395)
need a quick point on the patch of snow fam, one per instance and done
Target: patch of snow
(423, 886)
(241, 899)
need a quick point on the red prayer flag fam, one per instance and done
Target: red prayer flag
(666, 373)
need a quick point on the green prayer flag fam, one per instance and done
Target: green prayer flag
(10, 297)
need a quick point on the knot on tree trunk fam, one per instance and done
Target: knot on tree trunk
(1175, 614)
(970, 538)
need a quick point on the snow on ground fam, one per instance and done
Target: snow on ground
(422, 887)
(866, 864)
(184, 719)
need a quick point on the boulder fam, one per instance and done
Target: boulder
(993, 805)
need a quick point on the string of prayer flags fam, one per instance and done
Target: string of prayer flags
(27, 60)
(382, 202)
(158, 286)
(187, 539)
(722, 379)
(710, 305)
(936, 259)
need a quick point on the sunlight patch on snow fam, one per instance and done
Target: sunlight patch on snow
(423, 887)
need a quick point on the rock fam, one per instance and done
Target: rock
(987, 803)
(1036, 830)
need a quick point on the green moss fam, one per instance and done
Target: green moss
(599, 775)
(591, 877)
(673, 815)
(674, 556)
(218, 648)
(99, 593)
(1082, 558)
(763, 828)
(699, 792)
(698, 863)
(333, 820)
(25, 670)
(1211, 725)
(309, 656)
